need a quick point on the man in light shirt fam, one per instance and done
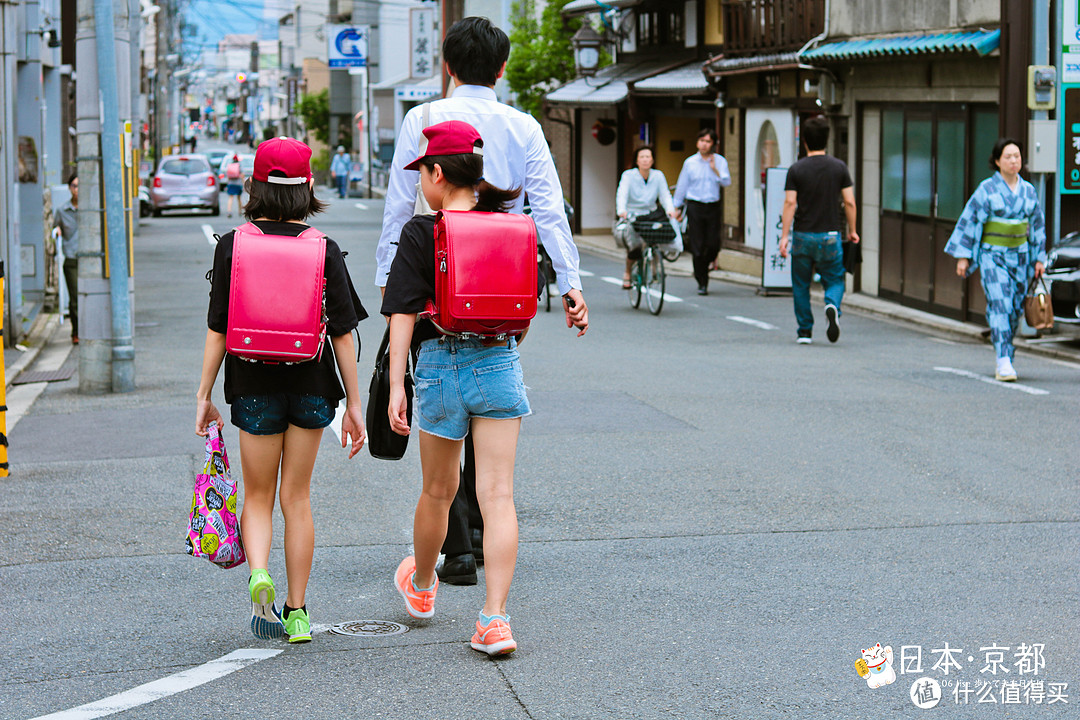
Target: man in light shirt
(702, 176)
(516, 155)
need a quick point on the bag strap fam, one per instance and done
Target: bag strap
(248, 227)
(1038, 282)
(214, 432)
(422, 141)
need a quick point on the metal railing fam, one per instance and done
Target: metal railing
(771, 25)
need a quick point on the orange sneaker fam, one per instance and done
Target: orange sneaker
(494, 638)
(418, 603)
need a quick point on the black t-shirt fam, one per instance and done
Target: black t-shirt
(411, 282)
(308, 378)
(818, 180)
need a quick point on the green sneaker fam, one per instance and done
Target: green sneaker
(265, 618)
(298, 626)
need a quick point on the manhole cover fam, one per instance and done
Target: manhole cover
(369, 628)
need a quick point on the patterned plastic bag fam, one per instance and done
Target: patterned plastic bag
(213, 530)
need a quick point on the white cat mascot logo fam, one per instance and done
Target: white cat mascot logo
(876, 666)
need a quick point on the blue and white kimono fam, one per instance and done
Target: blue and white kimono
(1005, 271)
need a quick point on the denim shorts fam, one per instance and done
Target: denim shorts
(457, 380)
(272, 414)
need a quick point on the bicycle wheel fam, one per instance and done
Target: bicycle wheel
(653, 260)
(544, 273)
(637, 279)
(671, 255)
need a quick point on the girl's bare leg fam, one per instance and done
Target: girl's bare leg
(441, 462)
(495, 444)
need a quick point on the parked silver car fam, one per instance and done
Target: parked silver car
(184, 182)
(1063, 277)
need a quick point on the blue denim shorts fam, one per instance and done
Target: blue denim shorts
(272, 414)
(457, 380)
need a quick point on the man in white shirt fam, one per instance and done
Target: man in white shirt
(702, 176)
(516, 155)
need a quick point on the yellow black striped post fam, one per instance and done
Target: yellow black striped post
(3, 387)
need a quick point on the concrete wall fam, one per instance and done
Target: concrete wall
(868, 17)
(868, 182)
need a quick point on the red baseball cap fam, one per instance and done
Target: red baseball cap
(453, 137)
(286, 156)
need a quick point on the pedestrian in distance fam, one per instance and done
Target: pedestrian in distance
(66, 217)
(698, 190)
(474, 56)
(1002, 234)
(817, 186)
(282, 408)
(448, 407)
(640, 189)
(234, 184)
(339, 170)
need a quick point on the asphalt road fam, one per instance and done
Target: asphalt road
(715, 522)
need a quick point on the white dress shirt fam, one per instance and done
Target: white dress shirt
(639, 196)
(697, 181)
(515, 155)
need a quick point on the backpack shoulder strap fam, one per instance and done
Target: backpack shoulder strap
(312, 233)
(248, 227)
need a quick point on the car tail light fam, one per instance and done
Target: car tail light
(210, 181)
(157, 182)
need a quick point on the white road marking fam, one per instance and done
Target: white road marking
(171, 685)
(209, 233)
(751, 321)
(586, 273)
(668, 297)
(983, 378)
(943, 341)
(361, 206)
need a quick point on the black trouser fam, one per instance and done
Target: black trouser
(71, 279)
(465, 510)
(703, 236)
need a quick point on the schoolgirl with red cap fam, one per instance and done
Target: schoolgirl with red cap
(281, 409)
(463, 385)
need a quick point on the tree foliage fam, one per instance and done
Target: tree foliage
(541, 56)
(315, 110)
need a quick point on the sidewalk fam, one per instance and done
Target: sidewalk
(20, 357)
(604, 246)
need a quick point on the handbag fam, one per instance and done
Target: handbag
(383, 443)
(277, 296)
(485, 273)
(852, 255)
(1038, 311)
(213, 531)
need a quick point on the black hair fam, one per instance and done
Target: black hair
(639, 148)
(281, 202)
(467, 170)
(999, 148)
(75, 176)
(815, 133)
(475, 50)
(710, 132)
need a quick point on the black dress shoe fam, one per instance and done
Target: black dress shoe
(476, 539)
(702, 290)
(457, 570)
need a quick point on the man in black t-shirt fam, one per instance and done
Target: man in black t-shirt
(817, 187)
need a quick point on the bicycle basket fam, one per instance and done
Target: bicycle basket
(655, 232)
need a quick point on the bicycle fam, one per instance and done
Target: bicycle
(647, 275)
(545, 275)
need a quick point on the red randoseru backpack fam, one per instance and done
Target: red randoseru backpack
(485, 273)
(277, 296)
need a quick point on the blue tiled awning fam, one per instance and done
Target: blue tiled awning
(982, 42)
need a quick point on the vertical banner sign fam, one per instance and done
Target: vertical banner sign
(421, 42)
(1069, 102)
(775, 270)
(347, 45)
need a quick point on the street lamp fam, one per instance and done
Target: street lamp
(586, 43)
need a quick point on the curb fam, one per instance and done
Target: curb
(40, 333)
(858, 302)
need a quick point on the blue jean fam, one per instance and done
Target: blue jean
(342, 184)
(826, 252)
(457, 380)
(272, 414)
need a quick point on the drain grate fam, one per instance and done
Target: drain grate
(369, 628)
(37, 376)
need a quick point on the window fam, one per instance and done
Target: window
(660, 27)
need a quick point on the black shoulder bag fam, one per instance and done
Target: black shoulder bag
(383, 442)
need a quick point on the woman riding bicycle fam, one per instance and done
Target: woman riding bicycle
(640, 188)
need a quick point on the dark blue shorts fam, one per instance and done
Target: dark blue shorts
(272, 414)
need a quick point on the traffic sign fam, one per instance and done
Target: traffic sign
(347, 45)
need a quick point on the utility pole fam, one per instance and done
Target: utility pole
(9, 208)
(106, 350)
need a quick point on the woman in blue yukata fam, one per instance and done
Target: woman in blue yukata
(1002, 234)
